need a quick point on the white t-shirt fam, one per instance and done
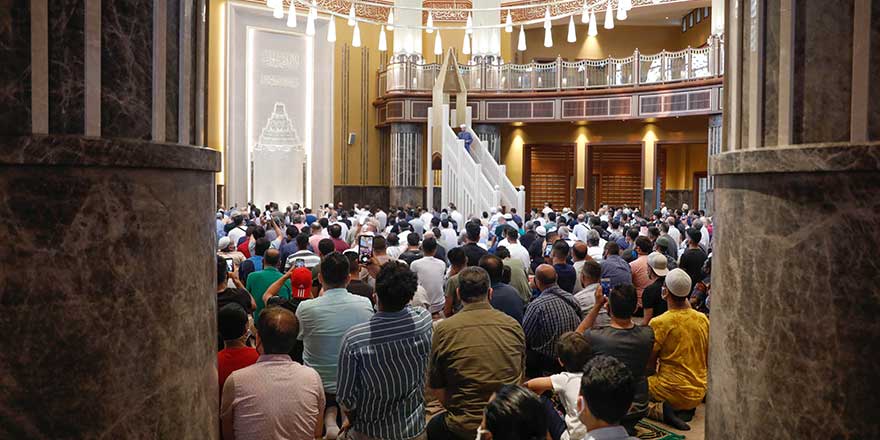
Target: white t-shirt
(567, 386)
(430, 271)
(517, 251)
(236, 233)
(450, 238)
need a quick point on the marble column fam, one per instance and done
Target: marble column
(714, 148)
(491, 135)
(794, 336)
(108, 311)
(407, 164)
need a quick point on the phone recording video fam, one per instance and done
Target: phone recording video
(365, 249)
(299, 263)
(230, 266)
(548, 249)
(606, 286)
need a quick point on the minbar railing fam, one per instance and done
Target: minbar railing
(637, 69)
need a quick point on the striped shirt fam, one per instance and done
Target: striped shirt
(381, 378)
(550, 315)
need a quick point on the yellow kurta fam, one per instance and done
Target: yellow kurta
(681, 338)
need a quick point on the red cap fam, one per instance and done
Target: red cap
(301, 283)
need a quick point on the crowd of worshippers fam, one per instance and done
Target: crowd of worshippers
(346, 323)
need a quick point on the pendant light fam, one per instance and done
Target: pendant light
(609, 16)
(390, 25)
(508, 25)
(621, 10)
(278, 12)
(521, 45)
(291, 16)
(572, 37)
(548, 38)
(547, 24)
(438, 44)
(627, 4)
(469, 25)
(593, 31)
(383, 40)
(351, 15)
(356, 36)
(430, 23)
(331, 30)
(585, 13)
(310, 23)
(466, 45)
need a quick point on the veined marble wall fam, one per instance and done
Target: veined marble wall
(96, 120)
(279, 133)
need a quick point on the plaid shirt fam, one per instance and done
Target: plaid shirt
(551, 314)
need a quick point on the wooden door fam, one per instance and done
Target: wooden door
(550, 175)
(617, 173)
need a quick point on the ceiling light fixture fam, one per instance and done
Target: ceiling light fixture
(547, 24)
(466, 45)
(508, 25)
(351, 15)
(390, 25)
(430, 23)
(383, 40)
(609, 16)
(548, 38)
(621, 10)
(278, 12)
(521, 45)
(592, 30)
(356, 36)
(310, 23)
(291, 16)
(438, 44)
(331, 30)
(572, 37)
(469, 25)
(585, 13)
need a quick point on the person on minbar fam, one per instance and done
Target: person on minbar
(465, 135)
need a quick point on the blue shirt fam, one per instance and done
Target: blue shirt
(468, 139)
(506, 299)
(249, 266)
(323, 322)
(618, 270)
(382, 366)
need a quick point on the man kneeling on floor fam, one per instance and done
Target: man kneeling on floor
(681, 351)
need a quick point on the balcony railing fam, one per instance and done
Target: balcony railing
(638, 69)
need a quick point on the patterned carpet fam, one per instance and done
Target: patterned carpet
(648, 431)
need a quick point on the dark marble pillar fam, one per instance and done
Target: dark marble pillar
(794, 331)
(107, 310)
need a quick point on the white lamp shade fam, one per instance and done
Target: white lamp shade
(572, 36)
(356, 36)
(585, 14)
(331, 30)
(593, 31)
(609, 16)
(438, 44)
(466, 45)
(521, 44)
(291, 16)
(547, 24)
(278, 12)
(627, 4)
(390, 19)
(310, 22)
(469, 25)
(508, 24)
(621, 11)
(351, 15)
(430, 23)
(548, 38)
(383, 40)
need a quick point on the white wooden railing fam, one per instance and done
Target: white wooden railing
(510, 196)
(463, 181)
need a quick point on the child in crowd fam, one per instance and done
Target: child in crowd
(573, 352)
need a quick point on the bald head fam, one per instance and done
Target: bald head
(545, 276)
(579, 251)
(277, 329)
(270, 258)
